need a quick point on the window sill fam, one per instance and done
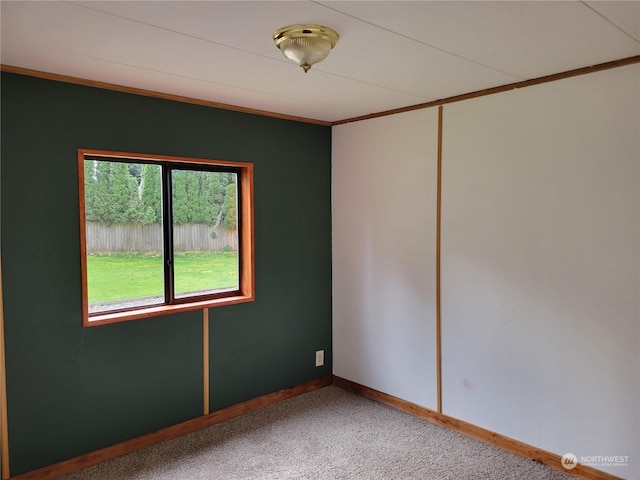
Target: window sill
(106, 318)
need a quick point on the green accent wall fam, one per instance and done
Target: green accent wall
(72, 390)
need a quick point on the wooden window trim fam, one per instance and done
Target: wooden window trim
(247, 260)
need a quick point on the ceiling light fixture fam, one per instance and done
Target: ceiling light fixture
(305, 44)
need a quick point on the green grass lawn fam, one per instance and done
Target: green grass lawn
(126, 276)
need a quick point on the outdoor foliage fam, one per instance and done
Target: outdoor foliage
(117, 192)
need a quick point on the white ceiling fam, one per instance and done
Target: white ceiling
(391, 54)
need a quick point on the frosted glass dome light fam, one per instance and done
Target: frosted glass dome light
(305, 44)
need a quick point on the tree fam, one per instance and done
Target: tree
(211, 198)
(122, 194)
(192, 196)
(100, 192)
(118, 192)
(150, 207)
(179, 197)
(230, 210)
(90, 185)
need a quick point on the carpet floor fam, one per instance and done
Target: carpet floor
(325, 434)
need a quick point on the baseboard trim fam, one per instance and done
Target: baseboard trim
(129, 446)
(552, 460)
(501, 441)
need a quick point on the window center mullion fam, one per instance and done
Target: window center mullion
(167, 219)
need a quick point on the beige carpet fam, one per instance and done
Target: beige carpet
(326, 434)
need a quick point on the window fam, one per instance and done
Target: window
(163, 234)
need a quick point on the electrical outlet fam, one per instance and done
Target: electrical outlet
(319, 358)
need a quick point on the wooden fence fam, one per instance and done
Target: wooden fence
(135, 237)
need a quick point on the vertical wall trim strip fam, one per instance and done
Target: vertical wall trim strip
(4, 431)
(438, 236)
(205, 359)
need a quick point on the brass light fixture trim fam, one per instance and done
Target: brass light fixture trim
(305, 44)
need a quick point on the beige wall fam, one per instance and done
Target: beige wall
(384, 207)
(540, 262)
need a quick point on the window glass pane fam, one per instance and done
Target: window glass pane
(205, 232)
(123, 213)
